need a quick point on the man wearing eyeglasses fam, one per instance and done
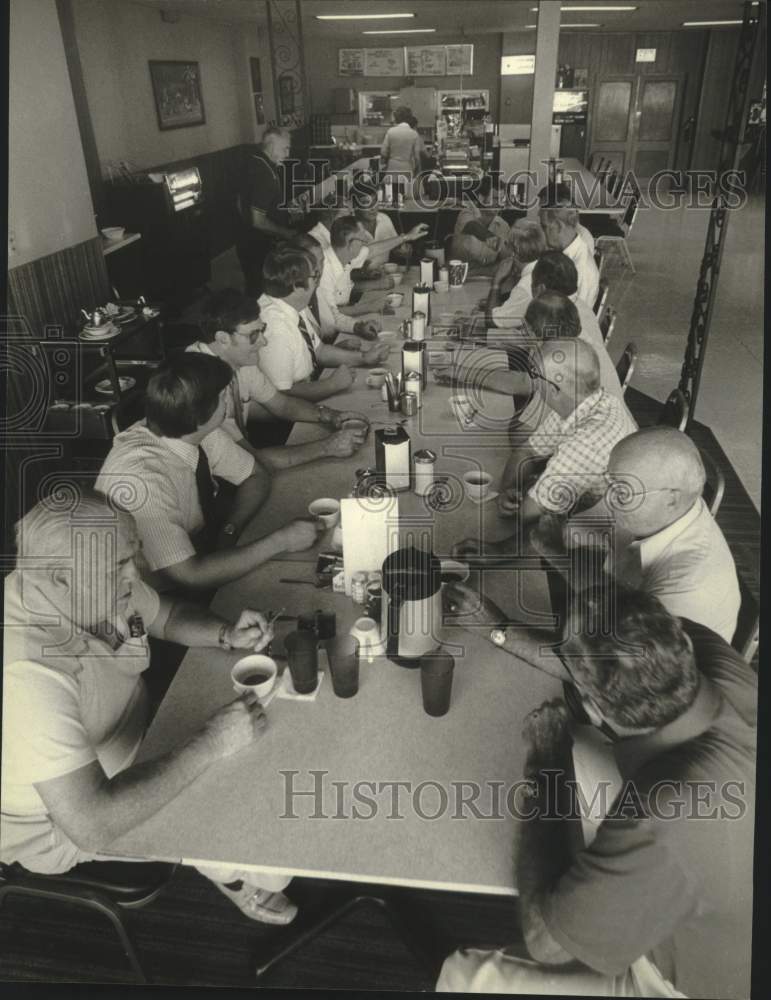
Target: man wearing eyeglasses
(658, 903)
(234, 331)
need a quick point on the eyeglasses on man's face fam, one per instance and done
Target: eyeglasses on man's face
(620, 492)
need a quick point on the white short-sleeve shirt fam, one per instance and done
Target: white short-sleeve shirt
(154, 478)
(285, 359)
(69, 699)
(334, 290)
(253, 386)
(588, 275)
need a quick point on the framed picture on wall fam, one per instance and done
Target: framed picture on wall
(177, 93)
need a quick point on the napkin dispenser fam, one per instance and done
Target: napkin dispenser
(414, 359)
(411, 607)
(393, 457)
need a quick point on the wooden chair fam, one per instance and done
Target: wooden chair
(625, 366)
(714, 487)
(106, 887)
(674, 413)
(617, 234)
(602, 298)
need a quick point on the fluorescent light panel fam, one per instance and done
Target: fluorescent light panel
(569, 25)
(400, 31)
(596, 8)
(360, 17)
(707, 24)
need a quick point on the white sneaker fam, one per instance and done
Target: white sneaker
(261, 904)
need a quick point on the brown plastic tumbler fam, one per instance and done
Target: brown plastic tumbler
(343, 656)
(302, 657)
(436, 682)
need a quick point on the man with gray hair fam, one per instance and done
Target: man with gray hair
(264, 216)
(526, 242)
(77, 621)
(560, 224)
(583, 424)
(665, 541)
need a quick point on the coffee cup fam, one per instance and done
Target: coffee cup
(326, 509)
(256, 674)
(458, 272)
(477, 484)
(391, 268)
(394, 299)
(376, 377)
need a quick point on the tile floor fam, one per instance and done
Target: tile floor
(654, 309)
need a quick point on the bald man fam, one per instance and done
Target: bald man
(582, 424)
(666, 541)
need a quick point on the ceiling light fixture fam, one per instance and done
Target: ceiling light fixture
(360, 17)
(400, 31)
(587, 25)
(707, 24)
(594, 7)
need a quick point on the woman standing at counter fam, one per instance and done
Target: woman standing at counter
(401, 145)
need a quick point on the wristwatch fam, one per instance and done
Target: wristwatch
(323, 412)
(498, 636)
(229, 529)
(222, 639)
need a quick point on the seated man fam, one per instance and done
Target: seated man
(165, 464)
(561, 194)
(527, 243)
(560, 224)
(335, 285)
(659, 902)
(665, 541)
(295, 356)
(75, 705)
(233, 331)
(480, 235)
(384, 236)
(576, 436)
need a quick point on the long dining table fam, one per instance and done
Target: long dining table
(278, 806)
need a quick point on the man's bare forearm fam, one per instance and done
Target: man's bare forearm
(314, 391)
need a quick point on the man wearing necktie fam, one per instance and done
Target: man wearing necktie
(233, 330)
(162, 470)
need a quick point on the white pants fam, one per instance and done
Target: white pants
(474, 970)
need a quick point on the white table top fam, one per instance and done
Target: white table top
(233, 812)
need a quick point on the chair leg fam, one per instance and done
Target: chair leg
(628, 256)
(101, 906)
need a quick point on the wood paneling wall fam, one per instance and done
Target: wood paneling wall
(45, 292)
(613, 54)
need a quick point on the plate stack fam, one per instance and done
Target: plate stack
(105, 331)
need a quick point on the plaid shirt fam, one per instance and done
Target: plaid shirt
(579, 447)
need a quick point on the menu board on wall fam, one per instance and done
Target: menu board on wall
(460, 60)
(384, 62)
(350, 62)
(427, 60)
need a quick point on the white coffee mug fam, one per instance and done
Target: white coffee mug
(255, 665)
(477, 484)
(326, 509)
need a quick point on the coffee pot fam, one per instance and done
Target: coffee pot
(411, 608)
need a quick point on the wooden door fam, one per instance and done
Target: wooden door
(657, 114)
(611, 120)
(635, 122)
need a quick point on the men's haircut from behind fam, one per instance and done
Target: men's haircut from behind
(183, 393)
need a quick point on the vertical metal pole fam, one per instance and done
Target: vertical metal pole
(706, 286)
(546, 51)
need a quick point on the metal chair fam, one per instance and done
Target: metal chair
(674, 413)
(602, 298)
(607, 324)
(589, 163)
(619, 233)
(108, 887)
(747, 635)
(599, 260)
(714, 486)
(625, 366)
